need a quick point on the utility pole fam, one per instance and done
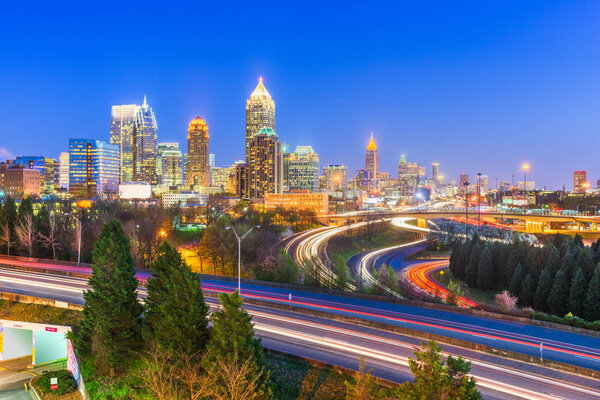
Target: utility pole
(466, 185)
(478, 201)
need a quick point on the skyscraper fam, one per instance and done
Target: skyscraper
(462, 188)
(265, 164)
(63, 170)
(260, 113)
(169, 164)
(198, 167)
(579, 181)
(303, 169)
(372, 161)
(336, 177)
(402, 166)
(435, 172)
(122, 134)
(144, 151)
(93, 168)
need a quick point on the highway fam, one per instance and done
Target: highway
(341, 343)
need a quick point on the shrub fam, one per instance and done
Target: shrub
(65, 381)
(506, 302)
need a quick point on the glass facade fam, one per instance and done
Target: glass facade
(336, 177)
(260, 113)
(122, 133)
(303, 169)
(169, 164)
(145, 148)
(43, 164)
(198, 160)
(265, 164)
(93, 168)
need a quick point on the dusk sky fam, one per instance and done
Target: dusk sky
(476, 86)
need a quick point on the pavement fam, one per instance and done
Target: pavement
(16, 372)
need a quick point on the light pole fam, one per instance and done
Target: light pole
(478, 201)
(362, 250)
(466, 185)
(239, 239)
(585, 188)
(525, 167)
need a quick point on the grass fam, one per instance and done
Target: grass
(478, 295)
(38, 313)
(387, 238)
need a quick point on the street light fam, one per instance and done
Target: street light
(239, 239)
(586, 186)
(525, 167)
(466, 185)
(478, 201)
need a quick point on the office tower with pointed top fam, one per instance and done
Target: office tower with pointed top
(372, 162)
(260, 113)
(198, 160)
(145, 149)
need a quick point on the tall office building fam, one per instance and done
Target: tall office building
(198, 163)
(336, 177)
(579, 181)
(144, 151)
(303, 169)
(43, 164)
(265, 164)
(169, 164)
(63, 170)
(260, 113)
(483, 184)
(285, 150)
(93, 168)
(402, 166)
(462, 188)
(361, 180)
(435, 172)
(122, 134)
(220, 177)
(372, 160)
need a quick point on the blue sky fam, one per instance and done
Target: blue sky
(477, 86)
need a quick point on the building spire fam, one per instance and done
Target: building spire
(145, 102)
(260, 89)
(372, 146)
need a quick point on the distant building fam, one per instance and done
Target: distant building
(198, 163)
(221, 177)
(93, 168)
(122, 134)
(483, 185)
(300, 200)
(435, 171)
(266, 164)
(361, 180)
(530, 185)
(63, 170)
(336, 177)
(260, 113)
(242, 181)
(135, 191)
(184, 198)
(303, 169)
(43, 164)
(504, 186)
(285, 151)
(18, 181)
(372, 161)
(462, 184)
(580, 181)
(169, 165)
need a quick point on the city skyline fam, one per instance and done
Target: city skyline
(496, 90)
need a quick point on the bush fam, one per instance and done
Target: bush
(65, 381)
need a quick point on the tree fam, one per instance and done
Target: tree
(435, 381)
(577, 293)
(365, 385)
(26, 233)
(286, 270)
(559, 295)
(111, 325)
(457, 261)
(527, 290)
(6, 236)
(516, 281)
(506, 302)
(50, 239)
(342, 272)
(471, 269)
(176, 312)
(540, 299)
(237, 379)
(486, 279)
(591, 307)
(233, 339)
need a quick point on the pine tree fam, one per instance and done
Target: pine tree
(111, 326)
(591, 307)
(176, 313)
(577, 293)
(233, 338)
(540, 299)
(527, 290)
(585, 261)
(552, 258)
(457, 263)
(516, 281)
(486, 278)
(559, 294)
(471, 268)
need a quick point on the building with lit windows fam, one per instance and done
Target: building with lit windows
(580, 181)
(402, 166)
(336, 178)
(372, 162)
(463, 188)
(122, 134)
(63, 170)
(435, 172)
(361, 180)
(221, 177)
(93, 168)
(19, 181)
(260, 113)
(299, 200)
(265, 162)
(242, 183)
(43, 164)
(145, 145)
(169, 165)
(198, 161)
(303, 169)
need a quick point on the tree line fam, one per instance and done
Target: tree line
(559, 277)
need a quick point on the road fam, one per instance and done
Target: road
(342, 343)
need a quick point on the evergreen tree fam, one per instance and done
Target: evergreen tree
(563, 249)
(527, 290)
(176, 312)
(457, 263)
(540, 299)
(486, 278)
(578, 240)
(516, 281)
(559, 294)
(535, 261)
(585, 261)
(577, 293)
(111, 325)
(25, 208)
(552, 258)
(516, 257)
(471, 268)
(233, 339)
(591, 307)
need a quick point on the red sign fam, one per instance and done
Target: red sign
(54, 386)
(50, 329)
(53, 383)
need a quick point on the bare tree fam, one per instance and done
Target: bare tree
(5, 237)
(157, 373)
(236, 382)
(51, 240)
(197, 381)
(26, 232)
